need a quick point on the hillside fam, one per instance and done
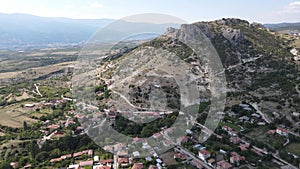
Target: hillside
(258, 64)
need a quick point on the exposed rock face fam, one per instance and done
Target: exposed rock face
(233, 35)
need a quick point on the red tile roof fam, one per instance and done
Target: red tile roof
(122, 160)
(153, 167)
(55, 160)
(106, 161)
(204, 152)
(224, 165)
(86, 163)
(138, 166)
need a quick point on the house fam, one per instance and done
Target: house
(223, 165)
(77, 154)
(90, 153)
(211, 162)
(123, 162)
(271, 132)
(136, 154)
(244, 118)
(235, 140)
(183, 139)
(204, 154)
(243, 147)
(180, 156)
(74, 166)
(236, 158)
(137, 140)
(222, 151)
(66, 156)
(138, 166)
(188, 131)
(167, 143)
(229, 130)
(53, 126)
(96, 158)
(102, 167)
(153, 167)
(255, 115)
(148, 159)
(29, 105)
(106, 162)
(86, 163)
(14, 164)
(55, 160)
(122, 153)
(282, 132)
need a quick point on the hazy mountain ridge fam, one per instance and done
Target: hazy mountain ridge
(283, 26)
(21, 30)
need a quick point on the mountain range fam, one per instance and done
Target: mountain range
(25, 31)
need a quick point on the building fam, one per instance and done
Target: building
(180, 156)
(107, 162)
(86, 163)
(29, 105)
(123, 162)
(271, 132)
(204, 154)
(223, 165)
(153, 167)
(229, 130)
(282, 132)
(236, 158)
(243, 147)
(138, 166)
(235, 140)
(96, 159)
(211, 162)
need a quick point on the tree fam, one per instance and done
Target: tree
(25, 126)
(5, 165)
(42, 156)
(33, 149)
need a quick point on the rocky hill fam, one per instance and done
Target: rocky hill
(258, 64)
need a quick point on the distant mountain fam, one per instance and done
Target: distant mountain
(24, 31)
(283, 26)
(21, 30)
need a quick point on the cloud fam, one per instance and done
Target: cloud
(293, 7)
(96, 5)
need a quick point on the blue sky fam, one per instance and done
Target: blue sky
(263, 11)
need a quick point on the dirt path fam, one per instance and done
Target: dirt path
(37, 89)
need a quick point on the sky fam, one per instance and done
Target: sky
(262, 11)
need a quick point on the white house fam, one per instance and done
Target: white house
(204, 154)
